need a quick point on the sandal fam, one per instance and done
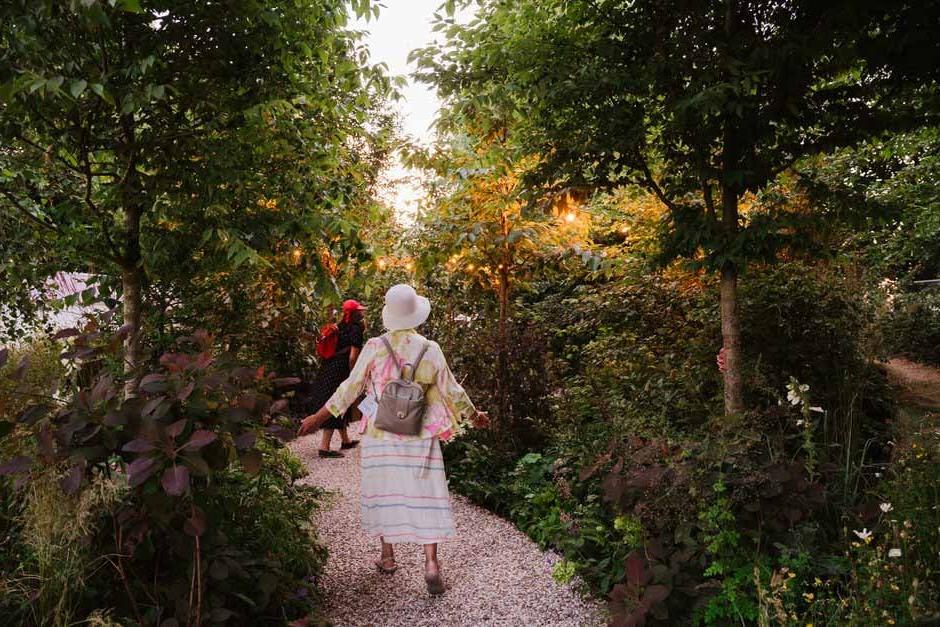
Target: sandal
(383, 566)
(330, 454)
(435, 583)
(349, 445)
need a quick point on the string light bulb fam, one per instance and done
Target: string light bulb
(570, 217)
(381, 264)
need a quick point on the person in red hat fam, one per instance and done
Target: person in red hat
(338, 348)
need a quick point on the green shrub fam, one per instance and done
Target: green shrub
(56, 574)
(637, 355)
(885, 566)
(805, 322)
(466, 327)
(32, 370)
(911, 326)
(477, 466)
(260, 555)
(43, 375)
(620, 479)
(545, 500)
(179, 503)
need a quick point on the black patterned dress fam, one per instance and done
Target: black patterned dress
(333, 372)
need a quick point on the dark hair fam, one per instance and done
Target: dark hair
(354, 317)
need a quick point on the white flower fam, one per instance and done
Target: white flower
(817, 409)
(793, 397)
(894, 553)
(799, 423)
(864, 534)
(804, 388)
(885, 507)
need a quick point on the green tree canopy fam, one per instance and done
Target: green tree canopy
(184, 146)
(698, 103)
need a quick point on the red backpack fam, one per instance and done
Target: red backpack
(328, 340)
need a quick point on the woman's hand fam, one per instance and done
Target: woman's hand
(480, 420)
(312, 422)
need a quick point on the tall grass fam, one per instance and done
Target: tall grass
(56, 529)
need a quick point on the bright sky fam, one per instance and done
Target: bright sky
(402, 26)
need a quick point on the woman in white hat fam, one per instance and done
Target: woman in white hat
(404, 496)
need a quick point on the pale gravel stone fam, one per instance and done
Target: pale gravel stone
(495, 574)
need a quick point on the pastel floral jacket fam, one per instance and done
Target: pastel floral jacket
(447, 402)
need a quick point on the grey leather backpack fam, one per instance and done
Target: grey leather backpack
(401, 407)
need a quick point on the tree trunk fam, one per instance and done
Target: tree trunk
(731, 340)
(503, 306)
(133, 203)
(502, 332)
(132, 280)
(132, 316)
(502, 348)
(730, 319)
(730, 171)
(132, 266)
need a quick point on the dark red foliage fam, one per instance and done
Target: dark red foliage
(188, 419)
(72, 480)
(196, 414)
(17, 465)
(658, 483)
(195, 524)
(175, 480)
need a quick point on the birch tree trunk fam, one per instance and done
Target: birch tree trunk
(730, 318)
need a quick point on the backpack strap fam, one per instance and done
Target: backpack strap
(414, 367)
(394, 355)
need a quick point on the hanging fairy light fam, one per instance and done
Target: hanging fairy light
(328, 262)
(387, 263)
(566, 208)
(296, 255)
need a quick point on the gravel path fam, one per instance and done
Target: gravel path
(919, 383)
(496, 575)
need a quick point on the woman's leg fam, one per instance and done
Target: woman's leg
(345, 442)
(325, 439)
(432, 570)
(431, 566)
(386, 561)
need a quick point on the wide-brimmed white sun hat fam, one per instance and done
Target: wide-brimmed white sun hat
(404, 309)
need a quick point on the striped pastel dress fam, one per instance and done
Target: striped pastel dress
(404, 495)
